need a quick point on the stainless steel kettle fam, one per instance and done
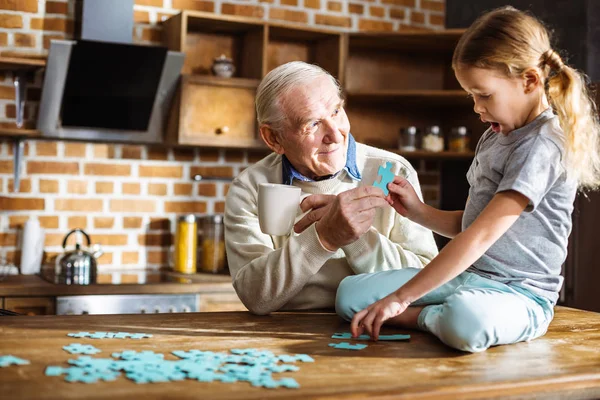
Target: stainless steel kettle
(79, 266)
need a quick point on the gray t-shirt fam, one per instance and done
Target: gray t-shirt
(528, 160)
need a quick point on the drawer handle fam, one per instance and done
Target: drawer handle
(221, 130)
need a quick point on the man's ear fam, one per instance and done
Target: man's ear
(271, 138)
(531, 79)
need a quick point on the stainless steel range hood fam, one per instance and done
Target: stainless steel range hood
(104, 88)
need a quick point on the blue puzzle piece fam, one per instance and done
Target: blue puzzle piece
(347, 346)
(76, 348)
(5, 361)
(348, 335)
(146, 356)
(110, 335)
(386, 175)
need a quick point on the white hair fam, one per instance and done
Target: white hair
(278, 82)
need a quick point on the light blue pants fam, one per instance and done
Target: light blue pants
(469, 313)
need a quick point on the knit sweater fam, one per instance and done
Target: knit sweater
(296, 272)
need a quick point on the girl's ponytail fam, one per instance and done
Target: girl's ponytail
(571, 100)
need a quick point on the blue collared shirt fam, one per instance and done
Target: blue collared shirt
(290, 173)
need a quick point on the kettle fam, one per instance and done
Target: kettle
(79, 266)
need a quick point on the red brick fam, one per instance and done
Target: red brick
(183, 189)
(184, 154)
(46, 149)
(312, 4)
(152, 171)
(437, 20)
(374, 25)
(157, 257)
(209, 155)
(207, 189)
(187, 207)
(17, 221)
(234, 156)
(405, 3)
(156, 153)
(3, 38)
(417, 17)
(293, 3)
(131, 188)
(243, 10)
(107, 169)
(87, 205)
(21, 203)
(130, 257)
(159, 224)
(49, 38)
(110, 239)
(219, 172)
(398, 13)
(6, 167)
(49, 24)
(52, 167)
(153, 3)
(11, 112)
(77, 222)
(131, 152)
(196, 5)
(104, 151)
(220, 207)
(30, 6)
(335, 6)
(104, 222)
(132, 222)
(356, 8)
(8, 239)
(332, 20)
(105, 259)
(48, 222)
(75, 150)
(288, 15)
(77, 187)
(117, 205)
(11, 21)
(7, 92)
(48, 186)
(376, 11)
(433, 5)
(105, 187)
(24, 40)
(141, 17)
(56, 7)
(157, 189)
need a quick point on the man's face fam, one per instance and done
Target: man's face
(316, 138)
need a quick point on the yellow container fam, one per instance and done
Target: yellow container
(186, 244)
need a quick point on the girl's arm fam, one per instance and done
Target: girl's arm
(466, 248)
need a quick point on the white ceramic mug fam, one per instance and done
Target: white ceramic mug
(277, 208)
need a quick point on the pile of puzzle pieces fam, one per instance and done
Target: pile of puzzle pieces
(247, 365)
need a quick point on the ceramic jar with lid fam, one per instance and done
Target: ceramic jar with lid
(223, 67)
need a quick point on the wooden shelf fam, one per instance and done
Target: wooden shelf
(430, 155)
(16, 132)
(218, 81)
(420, 41)
(12, 63)
(429, 97)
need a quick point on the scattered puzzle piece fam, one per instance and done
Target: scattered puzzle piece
(110, 335)
(5, 361)
(386, 175)
(347, 346)
(348, 335)
(76, 348)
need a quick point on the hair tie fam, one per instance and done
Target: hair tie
(553, 60)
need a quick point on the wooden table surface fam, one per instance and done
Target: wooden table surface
(563, 364)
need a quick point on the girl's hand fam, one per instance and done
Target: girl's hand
(372, 317)
(403, 198)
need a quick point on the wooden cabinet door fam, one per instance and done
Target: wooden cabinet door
(31, 305)
(215, 112)
(213, 302)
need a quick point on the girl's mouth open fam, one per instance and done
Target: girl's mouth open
(496, 127)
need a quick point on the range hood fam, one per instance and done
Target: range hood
(102, 87)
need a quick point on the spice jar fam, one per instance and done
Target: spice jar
(186, 244)
(213, 245)
(459, 141)
(433, 139)
(408, 139)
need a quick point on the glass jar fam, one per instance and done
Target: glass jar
(186, 244)
(408, 139)
(458, 141)
(433, 139)
(213, 245)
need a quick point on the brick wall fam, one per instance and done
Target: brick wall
(127, 197)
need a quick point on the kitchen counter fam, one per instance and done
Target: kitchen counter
(564, 363)
(34, 285)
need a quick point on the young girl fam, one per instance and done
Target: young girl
(498, 280)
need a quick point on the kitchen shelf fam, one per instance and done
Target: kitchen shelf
(413, 40)
(13, 63)
(429, 97)
(17, 132)
(218, 81)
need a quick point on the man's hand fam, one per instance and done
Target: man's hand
(342, 219)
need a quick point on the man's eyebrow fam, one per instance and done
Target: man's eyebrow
(300, 122)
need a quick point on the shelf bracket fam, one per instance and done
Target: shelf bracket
(19, 147)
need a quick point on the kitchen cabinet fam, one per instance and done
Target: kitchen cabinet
(215, 302)
(391, 80)
(31, 305)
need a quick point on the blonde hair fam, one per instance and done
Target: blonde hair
(513, 41)
(278, 82)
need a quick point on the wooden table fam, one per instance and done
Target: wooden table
(563, 364)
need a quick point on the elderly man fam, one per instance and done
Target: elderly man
(349, 228)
